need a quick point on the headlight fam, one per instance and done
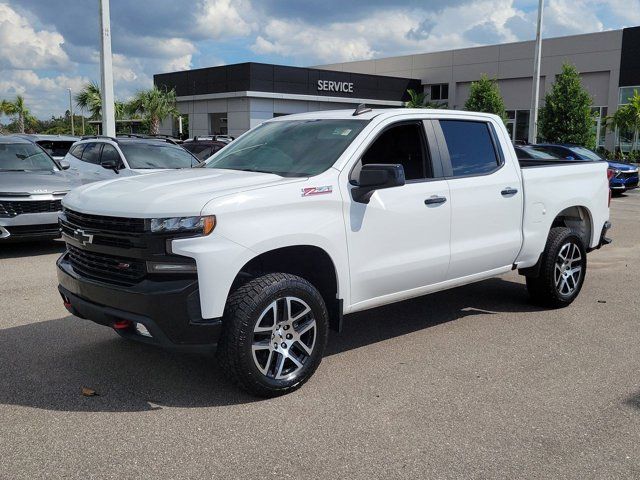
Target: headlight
(201, 225)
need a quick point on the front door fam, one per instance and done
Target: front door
(399, 241)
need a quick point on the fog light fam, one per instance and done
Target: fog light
(155, 267)
(142, 330)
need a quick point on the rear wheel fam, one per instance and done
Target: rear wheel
(274, 334)
(562, 269)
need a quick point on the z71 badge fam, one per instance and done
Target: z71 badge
(310, 191)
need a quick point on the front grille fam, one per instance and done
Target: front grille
(13, 208)
(627, 174)
(106, 268)
(104, 223)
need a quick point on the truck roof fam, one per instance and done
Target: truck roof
(373, 113)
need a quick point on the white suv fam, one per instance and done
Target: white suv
(103, 158)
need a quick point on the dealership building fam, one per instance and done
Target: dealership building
(234, 98)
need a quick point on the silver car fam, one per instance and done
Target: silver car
(56, 146)
(32, 185)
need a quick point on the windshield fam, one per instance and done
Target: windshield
(586, 153)
(156, 155)
(20, 157)
(56, 148)
(289, 148)
(541, 154)
(201, 151)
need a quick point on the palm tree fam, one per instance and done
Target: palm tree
(621, 121)
(634, 117)
(416, 100)
(18, 109)
(90, 100)
(154, 105)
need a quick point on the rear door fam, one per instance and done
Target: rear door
(486, 197)
(399, 241)
(89, 165)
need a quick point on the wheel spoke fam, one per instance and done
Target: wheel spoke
(279, 365)
(303, 328)
(270, 309)
(305, 347)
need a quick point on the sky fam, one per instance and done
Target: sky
(48, 46)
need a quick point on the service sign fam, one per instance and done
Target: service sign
(331, 86)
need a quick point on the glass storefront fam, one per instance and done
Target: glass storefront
(624, 138)
(518, 125)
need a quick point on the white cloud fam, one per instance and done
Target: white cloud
(218, 18)
(569, 17)
(43, 95)
(22, 47)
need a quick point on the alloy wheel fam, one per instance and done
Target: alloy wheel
(283, 338)
(568, 269)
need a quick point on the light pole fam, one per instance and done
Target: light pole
(535, 91)
(71, 112)
(106, 72)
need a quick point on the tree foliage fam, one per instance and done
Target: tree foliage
(484, 96)
(627, 120)
(89, 99)
(421, 100)
(19, 111)
(566, 116)
(154, 105)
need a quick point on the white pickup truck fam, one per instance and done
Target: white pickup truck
(310, 217)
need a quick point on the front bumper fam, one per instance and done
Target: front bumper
(169, 309)
(623, 184)
(29, 226)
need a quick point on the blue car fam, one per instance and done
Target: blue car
(623, 176)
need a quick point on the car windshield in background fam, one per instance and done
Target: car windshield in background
(586, 153)
(55, 148)
(293, 148)
(540, 154)
(156, 155)
(20, 157)
(202, 152)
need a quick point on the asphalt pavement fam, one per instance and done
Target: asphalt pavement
(470, 383)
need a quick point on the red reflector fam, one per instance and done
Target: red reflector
(121, 325)
(67, 303)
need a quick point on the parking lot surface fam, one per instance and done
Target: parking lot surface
(471, 383)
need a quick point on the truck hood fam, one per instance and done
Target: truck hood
(35, 182)
(166, 194)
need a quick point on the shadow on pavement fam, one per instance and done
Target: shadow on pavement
(30, 249)
(45, 365)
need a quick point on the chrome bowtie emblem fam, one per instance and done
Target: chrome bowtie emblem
(82, 237)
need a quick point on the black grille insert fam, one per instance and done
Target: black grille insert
(103, 223)
(106, 268)
(13, 208)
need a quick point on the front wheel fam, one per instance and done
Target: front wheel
(562, 269)
(275, 330)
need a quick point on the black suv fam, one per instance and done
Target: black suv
(203, 147)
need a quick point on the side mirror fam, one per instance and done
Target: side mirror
(64, 164)
(110, 164)
(376, 176)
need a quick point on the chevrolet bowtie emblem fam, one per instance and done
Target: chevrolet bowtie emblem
(82, 237)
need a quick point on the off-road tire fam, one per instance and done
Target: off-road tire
(242, 312)
(543, 289)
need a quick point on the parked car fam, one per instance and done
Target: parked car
(623, 176)
(223, 138)
(102, 158)
(32, 185)
(203, 147)
(310, 217)
(530, 152)
(56, 146)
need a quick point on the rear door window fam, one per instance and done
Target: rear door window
(76, 150)
(471, 147)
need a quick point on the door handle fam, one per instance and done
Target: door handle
(509, 191)
(435, 200)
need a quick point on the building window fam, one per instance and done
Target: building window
(439, 92)
(599, 128)
(518, 125)
(218, 124)
(624, 138)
